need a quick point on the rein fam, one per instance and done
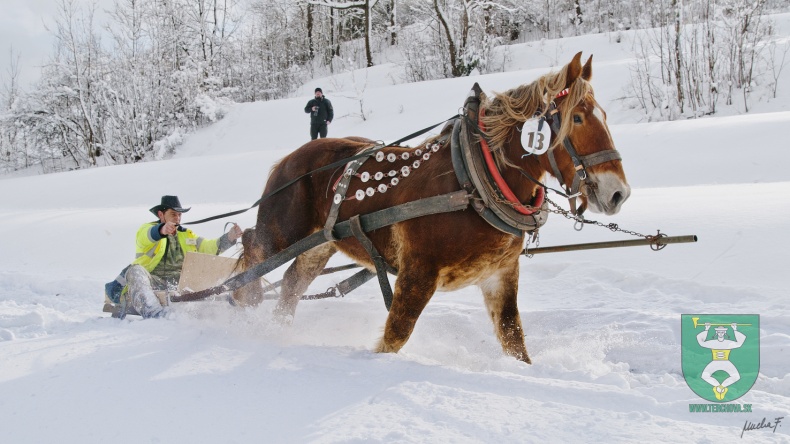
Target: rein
(332, 165)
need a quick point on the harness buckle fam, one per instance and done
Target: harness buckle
(581, 171)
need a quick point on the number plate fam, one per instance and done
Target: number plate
(536, 136)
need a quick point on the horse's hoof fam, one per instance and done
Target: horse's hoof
(383, 347)
(523, 357)
(283, 317)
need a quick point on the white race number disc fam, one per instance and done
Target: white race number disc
(534, 140)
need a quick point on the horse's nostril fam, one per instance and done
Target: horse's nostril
(617, 197)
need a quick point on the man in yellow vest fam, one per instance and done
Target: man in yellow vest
(161, 248)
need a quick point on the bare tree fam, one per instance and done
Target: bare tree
(392, 12)
(366, 7)
(13, 153)
(707, 50)
(777, 57)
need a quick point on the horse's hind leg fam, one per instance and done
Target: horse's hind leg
(252, 293)
(413, 289)
(305, 268)
(500, 293)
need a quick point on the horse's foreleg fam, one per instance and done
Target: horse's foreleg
(305, 268)
(413, 289)
(500, 293)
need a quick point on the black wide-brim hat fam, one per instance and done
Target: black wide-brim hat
(170, 202)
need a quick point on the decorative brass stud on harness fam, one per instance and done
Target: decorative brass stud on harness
(394, 175)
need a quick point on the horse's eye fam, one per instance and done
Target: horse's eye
(577, 119)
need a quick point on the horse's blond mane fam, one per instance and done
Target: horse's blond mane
(506, 110)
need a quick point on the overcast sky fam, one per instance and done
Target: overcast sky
(23, 26)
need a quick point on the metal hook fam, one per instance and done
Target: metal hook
(655, 241)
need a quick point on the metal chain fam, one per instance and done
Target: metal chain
(580, 221)
(533, 239)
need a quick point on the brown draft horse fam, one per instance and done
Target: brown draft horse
(445, 251)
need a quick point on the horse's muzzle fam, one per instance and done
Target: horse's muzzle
(606, 193)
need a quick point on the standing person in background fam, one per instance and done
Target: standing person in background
(321, 114)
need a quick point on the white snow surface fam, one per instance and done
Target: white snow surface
(602, 327)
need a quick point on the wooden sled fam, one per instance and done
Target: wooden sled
(200, 271)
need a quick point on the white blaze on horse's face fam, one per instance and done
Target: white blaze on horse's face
(598, 113)
(607, 189)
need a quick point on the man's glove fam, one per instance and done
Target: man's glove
(234, 233)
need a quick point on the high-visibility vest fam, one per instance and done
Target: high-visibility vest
(150, 252)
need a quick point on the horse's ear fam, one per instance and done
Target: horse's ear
(476, 90)
(574, 69)
(587, 70)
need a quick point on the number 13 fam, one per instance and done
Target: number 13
(536, 144)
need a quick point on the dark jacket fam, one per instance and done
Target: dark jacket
(325, 111)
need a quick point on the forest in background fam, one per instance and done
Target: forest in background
(130, 90)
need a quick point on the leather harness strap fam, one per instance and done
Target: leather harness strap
(443, 203)
(378, 261)
(341, 190)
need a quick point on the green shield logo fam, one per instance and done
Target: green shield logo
(720, 354)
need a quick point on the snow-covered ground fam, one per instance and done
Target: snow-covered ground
(602, 327)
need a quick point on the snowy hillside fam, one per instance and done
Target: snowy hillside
(602, 327)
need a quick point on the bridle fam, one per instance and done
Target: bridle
(580, 163)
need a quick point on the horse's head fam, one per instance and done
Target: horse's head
(581, 154)
(584, 155)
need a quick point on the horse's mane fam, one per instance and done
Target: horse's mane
(520, 104)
